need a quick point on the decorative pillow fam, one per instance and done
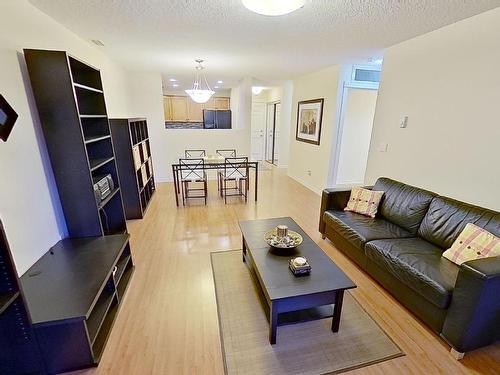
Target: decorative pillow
(364, 202)
(473, 243)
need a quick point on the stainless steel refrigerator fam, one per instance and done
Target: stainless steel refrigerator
(216, 119)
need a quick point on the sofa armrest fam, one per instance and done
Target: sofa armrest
(472, 319)
(332, 199)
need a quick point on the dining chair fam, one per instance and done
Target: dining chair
(193, 171)
(235, 169)
(195, 153)
(225, 153)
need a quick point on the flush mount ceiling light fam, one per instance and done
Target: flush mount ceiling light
(198, 93)
(256, 90)
(273, 7)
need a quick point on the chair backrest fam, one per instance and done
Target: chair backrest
(194, 153)
(192, 169)
(236, 167)
(227, 153)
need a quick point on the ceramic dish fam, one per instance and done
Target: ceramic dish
(291, 240)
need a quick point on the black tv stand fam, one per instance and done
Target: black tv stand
(73, 293)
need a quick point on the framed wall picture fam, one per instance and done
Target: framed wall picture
(7, 118)
(309, 119)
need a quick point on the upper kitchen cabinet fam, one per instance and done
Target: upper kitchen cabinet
(183, 109)
(178, 108)
(221, 103)
(195, 111)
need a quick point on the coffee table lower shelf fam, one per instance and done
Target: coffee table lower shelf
(298, 309)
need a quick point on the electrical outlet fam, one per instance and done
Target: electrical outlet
(309, 173)
(382, 147)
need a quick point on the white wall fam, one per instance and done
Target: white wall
(147, 101)
(29, 204)
(286, 120)
(304, 157)
(356, 124)
(448, 83)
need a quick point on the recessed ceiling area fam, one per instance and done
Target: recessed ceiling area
(167, 36)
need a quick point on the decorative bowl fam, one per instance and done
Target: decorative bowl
(291, 240)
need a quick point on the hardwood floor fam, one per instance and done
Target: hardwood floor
(168, 323)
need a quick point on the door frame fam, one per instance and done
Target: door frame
(340, 130)
(273, 104)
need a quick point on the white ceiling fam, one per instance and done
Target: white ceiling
(167, 35)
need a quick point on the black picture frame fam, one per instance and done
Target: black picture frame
(317, 138)
(11, 117)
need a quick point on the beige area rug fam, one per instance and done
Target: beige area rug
(303, 348)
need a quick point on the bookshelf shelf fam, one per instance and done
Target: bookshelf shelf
(98, 163)
(87, 88)
(96, 138)
(6, 300)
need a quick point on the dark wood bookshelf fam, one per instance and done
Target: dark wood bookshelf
(71, 104)
(18, 347)
(135, 165)
(73, 293)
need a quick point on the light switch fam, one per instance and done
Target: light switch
(382, 147)
(404, 122)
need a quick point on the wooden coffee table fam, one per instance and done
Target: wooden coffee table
(292, 299)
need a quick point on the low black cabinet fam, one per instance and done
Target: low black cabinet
(73, 294)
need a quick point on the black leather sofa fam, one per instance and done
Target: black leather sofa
(401, 248)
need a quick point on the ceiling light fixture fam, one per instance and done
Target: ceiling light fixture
(197, 93)
(172, 80)
(256, 90)
(273, 7)
(175, 85)
(220, 82)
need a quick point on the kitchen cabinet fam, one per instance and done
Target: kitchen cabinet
(221, 103)
(183, 109)
(179, 108)
(195, 111)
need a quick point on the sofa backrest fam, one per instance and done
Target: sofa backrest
(402, 204)
(447, 217)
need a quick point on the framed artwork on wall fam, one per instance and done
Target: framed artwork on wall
(309, 119)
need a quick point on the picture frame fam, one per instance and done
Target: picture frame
(309, 121)
(7, 118)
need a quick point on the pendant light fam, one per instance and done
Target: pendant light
(273, 7)
(198, 93)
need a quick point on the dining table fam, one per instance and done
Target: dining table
(210, 162)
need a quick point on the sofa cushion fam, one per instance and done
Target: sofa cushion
(418, 264)
(358, 229)
(403, 205)
(364, 201)
(447, 218)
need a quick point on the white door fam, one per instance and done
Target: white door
(277, 125)
(356, 122)
(270, 132)
(258, 127)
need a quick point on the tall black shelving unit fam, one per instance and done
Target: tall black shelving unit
(70, 100)
(135, 165)
(18, 347)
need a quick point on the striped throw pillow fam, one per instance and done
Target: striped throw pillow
(473, 243)
(364, 202)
